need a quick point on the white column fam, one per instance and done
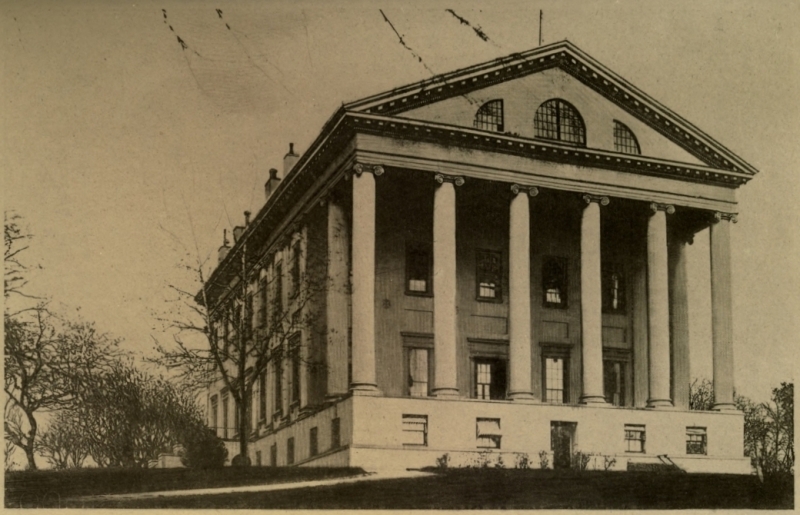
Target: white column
(336, 300)
(444, 286)
(722, 310)
(658, 307)
(679, 322)
(519, 286)
(591, 302)
(363, 286)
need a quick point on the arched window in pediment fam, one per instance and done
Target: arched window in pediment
(625, 140)
(558, 120)
(490, 116)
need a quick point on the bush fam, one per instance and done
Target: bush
(544, 460)
(204, 450)
(443, 461)
(522, 461)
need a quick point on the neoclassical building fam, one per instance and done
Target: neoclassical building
(503, 253)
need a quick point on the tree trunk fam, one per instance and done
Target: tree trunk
(28, 448)
(244, 429)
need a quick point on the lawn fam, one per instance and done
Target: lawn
(54, 488)
(499, 489)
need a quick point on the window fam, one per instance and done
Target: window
(225, 414)
(613, 288)
(418, 372)
(261, 316)
(278, 389)
(290, 451)
(295, 272)
(294, 371)
(555, 374)
(559, 120)
(634, 438)
(313, 441)
(624, 139)
(214, 415)
(696, 440)
(273, 455)
(490, 116)
(554, 282)
(277, 301)
(489, 275)
(489, 378)
(248, 316)
(418, 269)
(614, 372)
(262, 397)
(258, 458)
(336, 435)
(415, 430)
(488, 433)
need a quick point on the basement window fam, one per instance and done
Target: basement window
(415, 430)
(488, 433)
(634, 438)
(696, 440)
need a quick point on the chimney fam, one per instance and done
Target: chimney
(289, 160)
(272, 183)
(224, 249)
(237, 232)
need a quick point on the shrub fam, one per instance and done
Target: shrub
(544, 460)
(609, 462)
(443, 461)
(580, 460)
(204, 450)
(499, 464)
(522, 461)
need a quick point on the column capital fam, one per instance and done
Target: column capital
(655, 207)
(532, 190)
(376, 170)
(600, 199)
(720, 216)
(457, 180)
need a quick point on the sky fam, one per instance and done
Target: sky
(126, 153)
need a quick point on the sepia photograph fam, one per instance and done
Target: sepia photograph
(358, 255)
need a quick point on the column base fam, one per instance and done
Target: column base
(724, 406)
(365, 389)
(593, 399)
(523, 397)
(446, 393)
(660, 404)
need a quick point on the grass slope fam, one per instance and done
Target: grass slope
(53, 488)
(503, 489)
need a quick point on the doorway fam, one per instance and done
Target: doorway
(562, 441)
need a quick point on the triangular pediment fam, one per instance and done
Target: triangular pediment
(561, 70)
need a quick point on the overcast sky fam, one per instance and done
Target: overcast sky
(119, 145)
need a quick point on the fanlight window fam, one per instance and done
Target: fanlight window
(625, 140)
(490, 116)
(559, 120)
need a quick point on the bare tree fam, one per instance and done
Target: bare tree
(63, 443)
(47, 363)
(15, 240)
(233, 341)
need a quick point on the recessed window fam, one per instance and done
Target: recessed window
(295, 271)
(313, 439)
(261, 316)
(258, 458)
(249, 320)
(554, 282)
(696, 440)
(634, 438)
(277, 298)
(625, 140)
(225, 415)
(290, 451)
(273, 455)
(613, 284)
(419, 372)
(489, 378)
(488, 433)
(277, 389)
(558, 120)
(336, 434)
(489, 275)
(615, 373)
(262, 396)
(294, 370)
(490, 116)
(555, 377)
(214, 414)
(415, 430)
(418, 268)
